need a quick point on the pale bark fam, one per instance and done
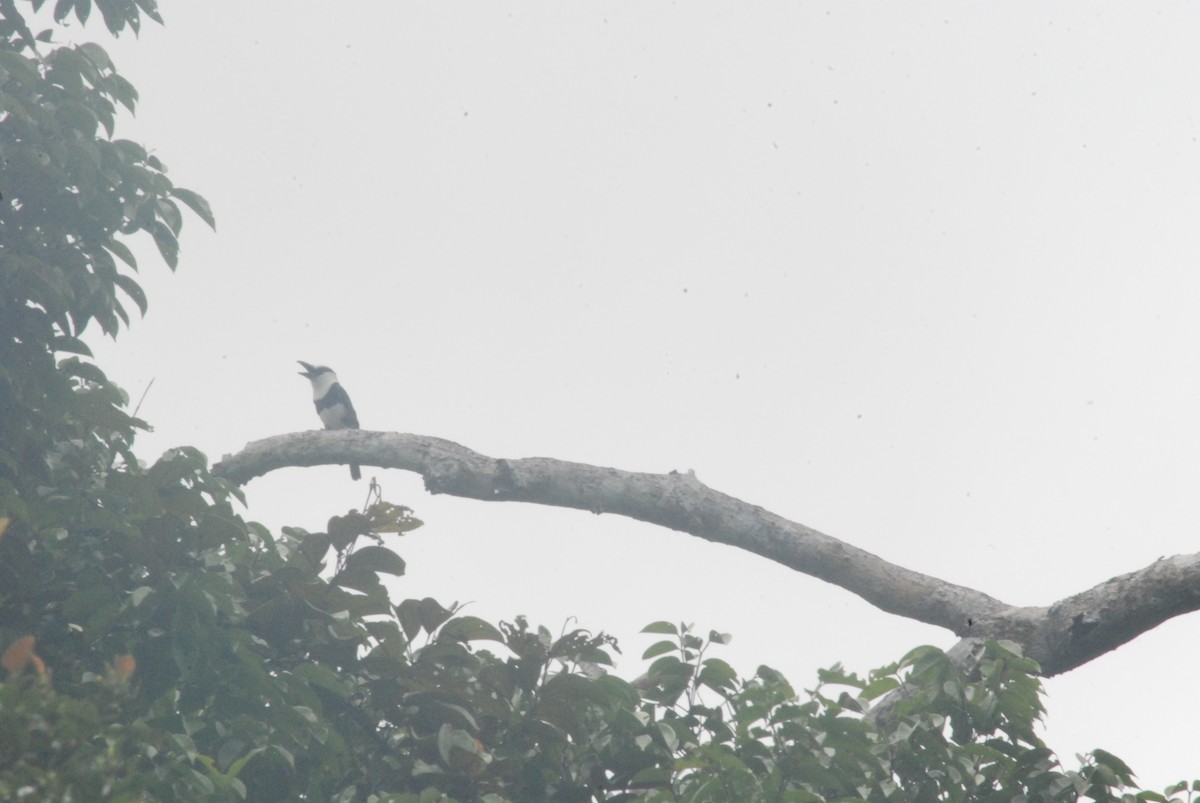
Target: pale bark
(1061, 636)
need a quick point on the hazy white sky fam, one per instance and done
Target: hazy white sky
(919, 275)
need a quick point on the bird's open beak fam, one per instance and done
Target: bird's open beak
(307, 368)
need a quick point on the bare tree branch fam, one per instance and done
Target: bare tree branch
(1060, 637)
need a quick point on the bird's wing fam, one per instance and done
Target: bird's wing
(337, 395)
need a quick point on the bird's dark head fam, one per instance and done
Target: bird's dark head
(311, 371)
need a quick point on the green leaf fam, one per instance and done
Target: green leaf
(384, 517)
(654, 777)
(659, 648)
(73, 366)
(432, 613)
(62, 8)
(359, 579)
(1118, 767)
(96, 54)
(670, 666)
(314, 548)
(408, 612)
(124, 92)
(169, 213)
(717, 675)
(376, 559)
(16, 63)
(345, 530)
(150, 7)
(449, 737)
(133, 290)
(879, 687)
(72, 114)
(470, 628)
(168, 246)
(130, 151)
(197, 204)
(391, 639)
(324, 677)
(237, 766)
(1011, 647)
(668, 735)
(661, 627)
(572, 690)
(71, 345)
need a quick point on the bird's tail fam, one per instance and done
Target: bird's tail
(355, 474)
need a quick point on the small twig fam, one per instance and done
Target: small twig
(143, 398)
(374, 495)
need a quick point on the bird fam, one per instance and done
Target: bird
(331, 401)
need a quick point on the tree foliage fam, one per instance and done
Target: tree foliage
(158, 646)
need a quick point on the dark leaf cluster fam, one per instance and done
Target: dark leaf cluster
(70, 195)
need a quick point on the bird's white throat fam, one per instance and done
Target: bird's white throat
(321, 383)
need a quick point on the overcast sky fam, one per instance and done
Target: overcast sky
(922, 276)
